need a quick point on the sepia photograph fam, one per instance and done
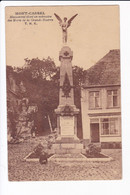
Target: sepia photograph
(63, 86)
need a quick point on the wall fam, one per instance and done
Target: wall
(102, 112)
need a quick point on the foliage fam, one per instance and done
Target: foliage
(38, 75)
(43, 69)
(40, 152)
(78, 78)
(38, 149)
(93, 149)
(41, 80)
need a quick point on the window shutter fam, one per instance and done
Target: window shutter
(109, 101)
(91, 102)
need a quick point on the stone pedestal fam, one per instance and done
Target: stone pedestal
(67, 141)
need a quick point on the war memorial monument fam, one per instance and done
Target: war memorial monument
(67, 141)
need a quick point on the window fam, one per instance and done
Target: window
(112, 98)
(109, 126)
(94, 100)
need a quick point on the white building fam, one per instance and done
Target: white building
(100, 102)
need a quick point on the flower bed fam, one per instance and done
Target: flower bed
(98, 155)
(34, 155)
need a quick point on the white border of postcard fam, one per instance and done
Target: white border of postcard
(70, 187)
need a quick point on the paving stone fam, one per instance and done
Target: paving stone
(34, 171)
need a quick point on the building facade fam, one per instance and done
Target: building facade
(101, 102)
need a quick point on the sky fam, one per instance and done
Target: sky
(91, 35)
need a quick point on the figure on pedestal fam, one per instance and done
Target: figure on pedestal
(64, 25)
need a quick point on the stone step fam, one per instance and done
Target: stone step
(67, 148)
(68, 140)
(67, 158)
(67, 151)
(68, 145)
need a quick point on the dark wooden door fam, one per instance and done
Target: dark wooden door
(94, 132)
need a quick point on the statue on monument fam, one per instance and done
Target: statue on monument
(64, 25)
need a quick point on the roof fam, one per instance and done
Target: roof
(105, 72)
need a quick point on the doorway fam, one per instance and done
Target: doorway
(94, 128)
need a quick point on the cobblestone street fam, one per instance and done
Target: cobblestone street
(34, 171)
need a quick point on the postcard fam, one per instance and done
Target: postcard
(63, 93)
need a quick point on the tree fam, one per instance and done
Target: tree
(41, 88)
(42, 69)
(41, 79)
(78, 78)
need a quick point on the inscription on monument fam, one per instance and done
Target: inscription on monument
(67, 125)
